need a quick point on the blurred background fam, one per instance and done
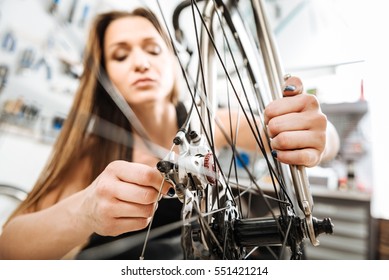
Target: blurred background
(336, 46)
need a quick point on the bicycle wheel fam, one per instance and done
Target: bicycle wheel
(238, 204)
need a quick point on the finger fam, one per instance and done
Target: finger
(131, 224)
(297, 140)
(122, 209)
(138, 174)
(294, 122)
(298, 103)
(305, 157)
(130, 192)
(292, 86)
(118, 226)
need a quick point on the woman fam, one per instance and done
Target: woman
(93, 186)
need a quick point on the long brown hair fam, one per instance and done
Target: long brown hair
(92, 106)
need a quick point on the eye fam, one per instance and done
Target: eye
(153, 48)
(119, 55)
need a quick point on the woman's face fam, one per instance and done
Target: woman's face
(138, 61)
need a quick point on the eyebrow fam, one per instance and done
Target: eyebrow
(125, 43)
(116, 44)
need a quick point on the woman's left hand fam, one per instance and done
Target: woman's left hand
(296, 126)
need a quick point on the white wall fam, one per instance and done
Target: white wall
(373, 36)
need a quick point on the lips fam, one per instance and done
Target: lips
(143, 82)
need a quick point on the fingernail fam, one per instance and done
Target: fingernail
(171, 192)
(274, 153)
(290, 88)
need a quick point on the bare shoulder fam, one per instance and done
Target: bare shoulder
(233, 122)
(225, 118)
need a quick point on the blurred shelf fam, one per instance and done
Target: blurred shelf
(354, 230)
(345, 108)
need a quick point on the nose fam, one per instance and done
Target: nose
(141, 61)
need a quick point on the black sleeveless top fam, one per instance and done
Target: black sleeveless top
(166, 246)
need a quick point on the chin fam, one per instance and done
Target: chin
(145, 97)
(142, 101)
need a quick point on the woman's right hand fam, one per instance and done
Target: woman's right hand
(122, 198)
